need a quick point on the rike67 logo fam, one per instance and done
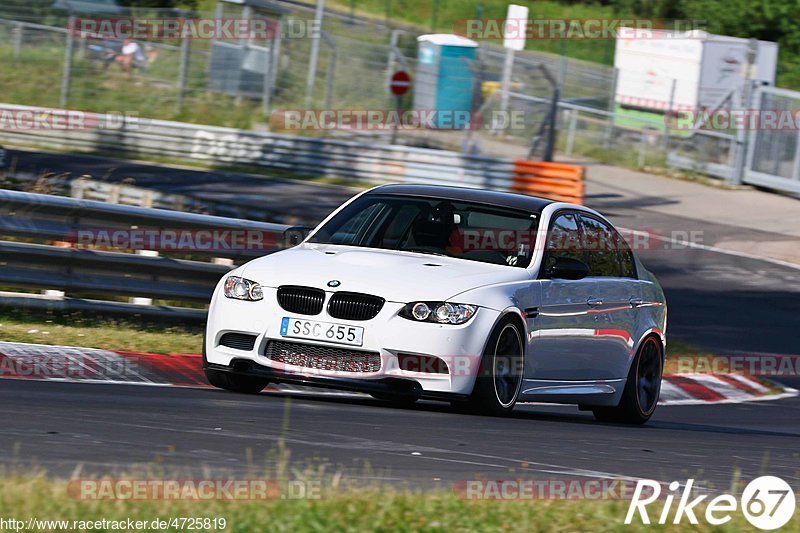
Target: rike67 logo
(767, 502)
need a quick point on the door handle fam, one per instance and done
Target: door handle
(636, 302)
(594, 302)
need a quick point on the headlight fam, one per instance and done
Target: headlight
(438, 312)
(243, 289)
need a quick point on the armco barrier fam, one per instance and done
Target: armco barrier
(299, 156)
(111, 275)
(559, 181)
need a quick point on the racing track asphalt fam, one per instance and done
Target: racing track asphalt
(108, 428)
(721, 303)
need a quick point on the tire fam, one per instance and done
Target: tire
(232, 382)
(500, 375)
(396, 400)
(642, 388)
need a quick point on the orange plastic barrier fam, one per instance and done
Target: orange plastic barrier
(557, 181)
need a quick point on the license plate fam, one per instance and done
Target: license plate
(322, 331)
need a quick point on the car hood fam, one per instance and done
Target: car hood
(396, 276)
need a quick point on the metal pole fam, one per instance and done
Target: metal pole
(397, 105)
(67, 74)
(551, 130)
(391, 59)
(331, 71)
(312, 61)
(183, 70)
(737, 176)
(642, 147)
(247, 14)
(666, 122)
(573, 123)
(17, 31)
(508, 67)
(611, 109)
(562, 71)
(269, 73)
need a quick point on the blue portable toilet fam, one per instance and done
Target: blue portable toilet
(444, 80)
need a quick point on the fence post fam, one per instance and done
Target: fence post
(745, 102)
(508, 67)
(573, 120)
(17, 36)
(392, 59)
(183, 70)
(68, 57)
(312, 60)
(331, 70)
(642, 147)
(271, 73)
(666, 122)
(612, 110)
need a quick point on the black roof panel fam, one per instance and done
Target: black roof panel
(531, 204)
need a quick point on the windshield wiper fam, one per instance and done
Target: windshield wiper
(423, 251)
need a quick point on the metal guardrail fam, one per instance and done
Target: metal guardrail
(301, 156)
(62, 265)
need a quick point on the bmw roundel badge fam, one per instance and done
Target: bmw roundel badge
(334, 283)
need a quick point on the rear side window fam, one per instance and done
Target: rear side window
(601, 243)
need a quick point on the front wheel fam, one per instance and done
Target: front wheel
(232, 382)
(642, 388)
(500, 375)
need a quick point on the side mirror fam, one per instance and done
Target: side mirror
(295, 235)
(568, 268)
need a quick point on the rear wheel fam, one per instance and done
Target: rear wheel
(500, 375)
(642, 388)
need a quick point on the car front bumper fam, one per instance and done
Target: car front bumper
(388, 335)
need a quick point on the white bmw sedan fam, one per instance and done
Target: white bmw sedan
(480, 298)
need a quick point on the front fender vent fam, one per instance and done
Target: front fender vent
(238, 341)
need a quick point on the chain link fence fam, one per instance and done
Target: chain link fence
(241, 82)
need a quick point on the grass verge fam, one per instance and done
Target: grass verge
(76, 329)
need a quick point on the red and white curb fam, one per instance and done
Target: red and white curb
(66, 363)
(692, 389)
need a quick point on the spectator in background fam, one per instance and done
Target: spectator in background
(131, 56)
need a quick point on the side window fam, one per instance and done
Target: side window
(600, 243)
(626, 258)
(563, 240)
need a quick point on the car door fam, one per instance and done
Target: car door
(564, 340)
(613, 303)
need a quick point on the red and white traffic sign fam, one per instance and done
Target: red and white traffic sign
(401, 83)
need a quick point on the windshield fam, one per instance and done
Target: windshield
(465, 230)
